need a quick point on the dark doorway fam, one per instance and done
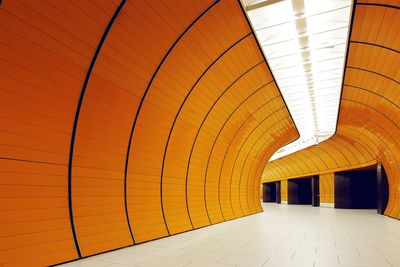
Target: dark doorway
(269, 192)
(356, 189)
(315, 191)
(278, 192)
(382, 189)
(299, 191)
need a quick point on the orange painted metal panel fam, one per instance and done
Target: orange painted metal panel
(140, 119)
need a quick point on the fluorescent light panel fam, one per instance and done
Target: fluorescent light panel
(305, 42)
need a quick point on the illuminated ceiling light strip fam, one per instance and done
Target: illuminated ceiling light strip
(305, 42)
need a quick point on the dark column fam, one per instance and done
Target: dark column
(356, 190)
(299, 191)
(342, 191)
(269, 192)
(315, 191)
(278, 192)
(382, 189)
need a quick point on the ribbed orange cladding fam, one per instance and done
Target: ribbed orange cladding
(326, 188)
(140, 119)
(45, 52)
(120, 77)
(368, 128)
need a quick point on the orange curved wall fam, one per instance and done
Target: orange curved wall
(284, 190)
(327, 188)
(123, 122)
(368, 127)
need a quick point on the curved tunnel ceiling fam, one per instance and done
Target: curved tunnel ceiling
(128, 121)
(368, 129)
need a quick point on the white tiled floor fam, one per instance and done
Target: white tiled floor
(281, 236)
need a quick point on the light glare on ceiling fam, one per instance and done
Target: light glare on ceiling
(305, 42)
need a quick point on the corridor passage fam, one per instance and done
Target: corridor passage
(283, 235)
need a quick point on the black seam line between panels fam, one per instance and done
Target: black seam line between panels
(339, 152)
(378, 137)
(33, 161)
(372, 92)
(348, 140)
(341, 141)
(257, 167)
(248, 174)
(179, 111)
(222, 164)
(301, 156)
(344, 154)
(333, 158)
(387, 167)
(361, 143)
(353, 12)
(378, 111)
(296, 158)
(244, 163)
(373, 122)
(374, 108)
(378, 5)
(295, 163)
(266, 62)
(308, 158)
(287, 166)
(142, 101)
(201, 126)
(376, 45)
(75, 125)
(280, 169)
(373, 72)
(240, 150)
(216, 138)
(229, 146)
(317, 155)
(292, 164)
(284, 168)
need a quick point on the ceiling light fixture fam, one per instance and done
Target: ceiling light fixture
(305, 42)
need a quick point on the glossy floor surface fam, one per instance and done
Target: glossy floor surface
(282, 235)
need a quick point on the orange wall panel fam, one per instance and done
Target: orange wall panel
(284, 190)
(128, 121)
(44, 56)
(327, 188)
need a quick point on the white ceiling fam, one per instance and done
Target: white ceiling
(305, 43)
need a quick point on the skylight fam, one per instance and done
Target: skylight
(305, 42)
